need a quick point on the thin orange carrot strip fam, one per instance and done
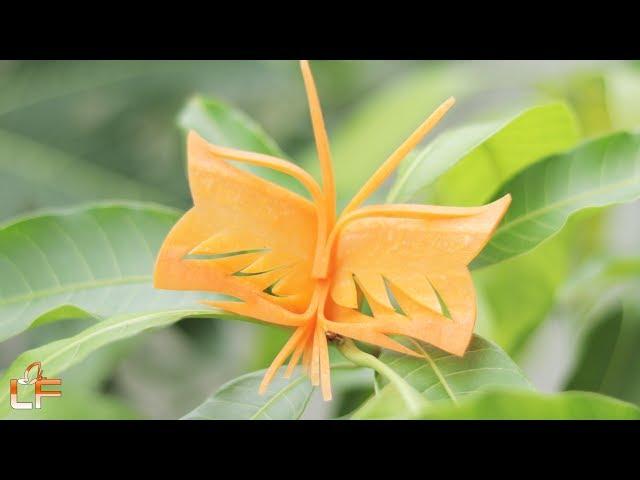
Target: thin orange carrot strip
(326, 207)
(396, 157)
(365, 333)
(260, 310)
(279, 360)
(315, 359)
(322, 142)
(275, 163)
(297, 353)
(325, 367)
(306, 355)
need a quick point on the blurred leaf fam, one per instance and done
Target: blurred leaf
(598, 173)
(473, 160)
(121, 115)
(66, 87)
(546, 268)
(585, 92)
(597, 350)
(384, 120)
(285, 399)
(597, 276)
(94, 373)
(604, 101)
(25, 83)
(351, 388)
(442, 377)
(58, 356)
(33, 175)
(223, 125)
(267, 342)
(523, 405)
(609, 348)
(165, 376)
(85, 262)
(623, 95)
(97, 370)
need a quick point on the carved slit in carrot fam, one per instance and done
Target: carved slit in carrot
(289, 261)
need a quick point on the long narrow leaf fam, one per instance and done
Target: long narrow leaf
(602, 172)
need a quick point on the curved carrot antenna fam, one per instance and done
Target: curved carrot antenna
(396, 157)
(322, 142)
(274, 163)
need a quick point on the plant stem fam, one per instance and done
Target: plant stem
(410, 395)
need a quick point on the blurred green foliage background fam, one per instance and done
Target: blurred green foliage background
(81, 131)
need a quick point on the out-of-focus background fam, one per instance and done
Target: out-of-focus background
(85, 131)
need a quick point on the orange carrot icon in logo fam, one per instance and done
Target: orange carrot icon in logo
(293, 262)
(39, 381)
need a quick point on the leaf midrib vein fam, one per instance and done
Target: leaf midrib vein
(436, 370)
(277, 395)
(75, 287)
(565, 202)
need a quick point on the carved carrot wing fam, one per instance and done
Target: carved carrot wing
(410, 264)
(244, 237)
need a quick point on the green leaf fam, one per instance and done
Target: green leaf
(351, 388)
(94, 261)
(523, 405)
(604, 100)
(547, 268)
(46, 176)
(226, 126)
(597, 351)
(58, 356)
(623, 96)
(583, 291)
(223, 125)
(442, 377)
(609, 343)
(585, 92)
(599, 173)
(285, 399)
(474, 159)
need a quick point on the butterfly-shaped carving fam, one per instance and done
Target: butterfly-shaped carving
(289, 261)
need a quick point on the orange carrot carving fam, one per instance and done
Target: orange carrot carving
(288, 261)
